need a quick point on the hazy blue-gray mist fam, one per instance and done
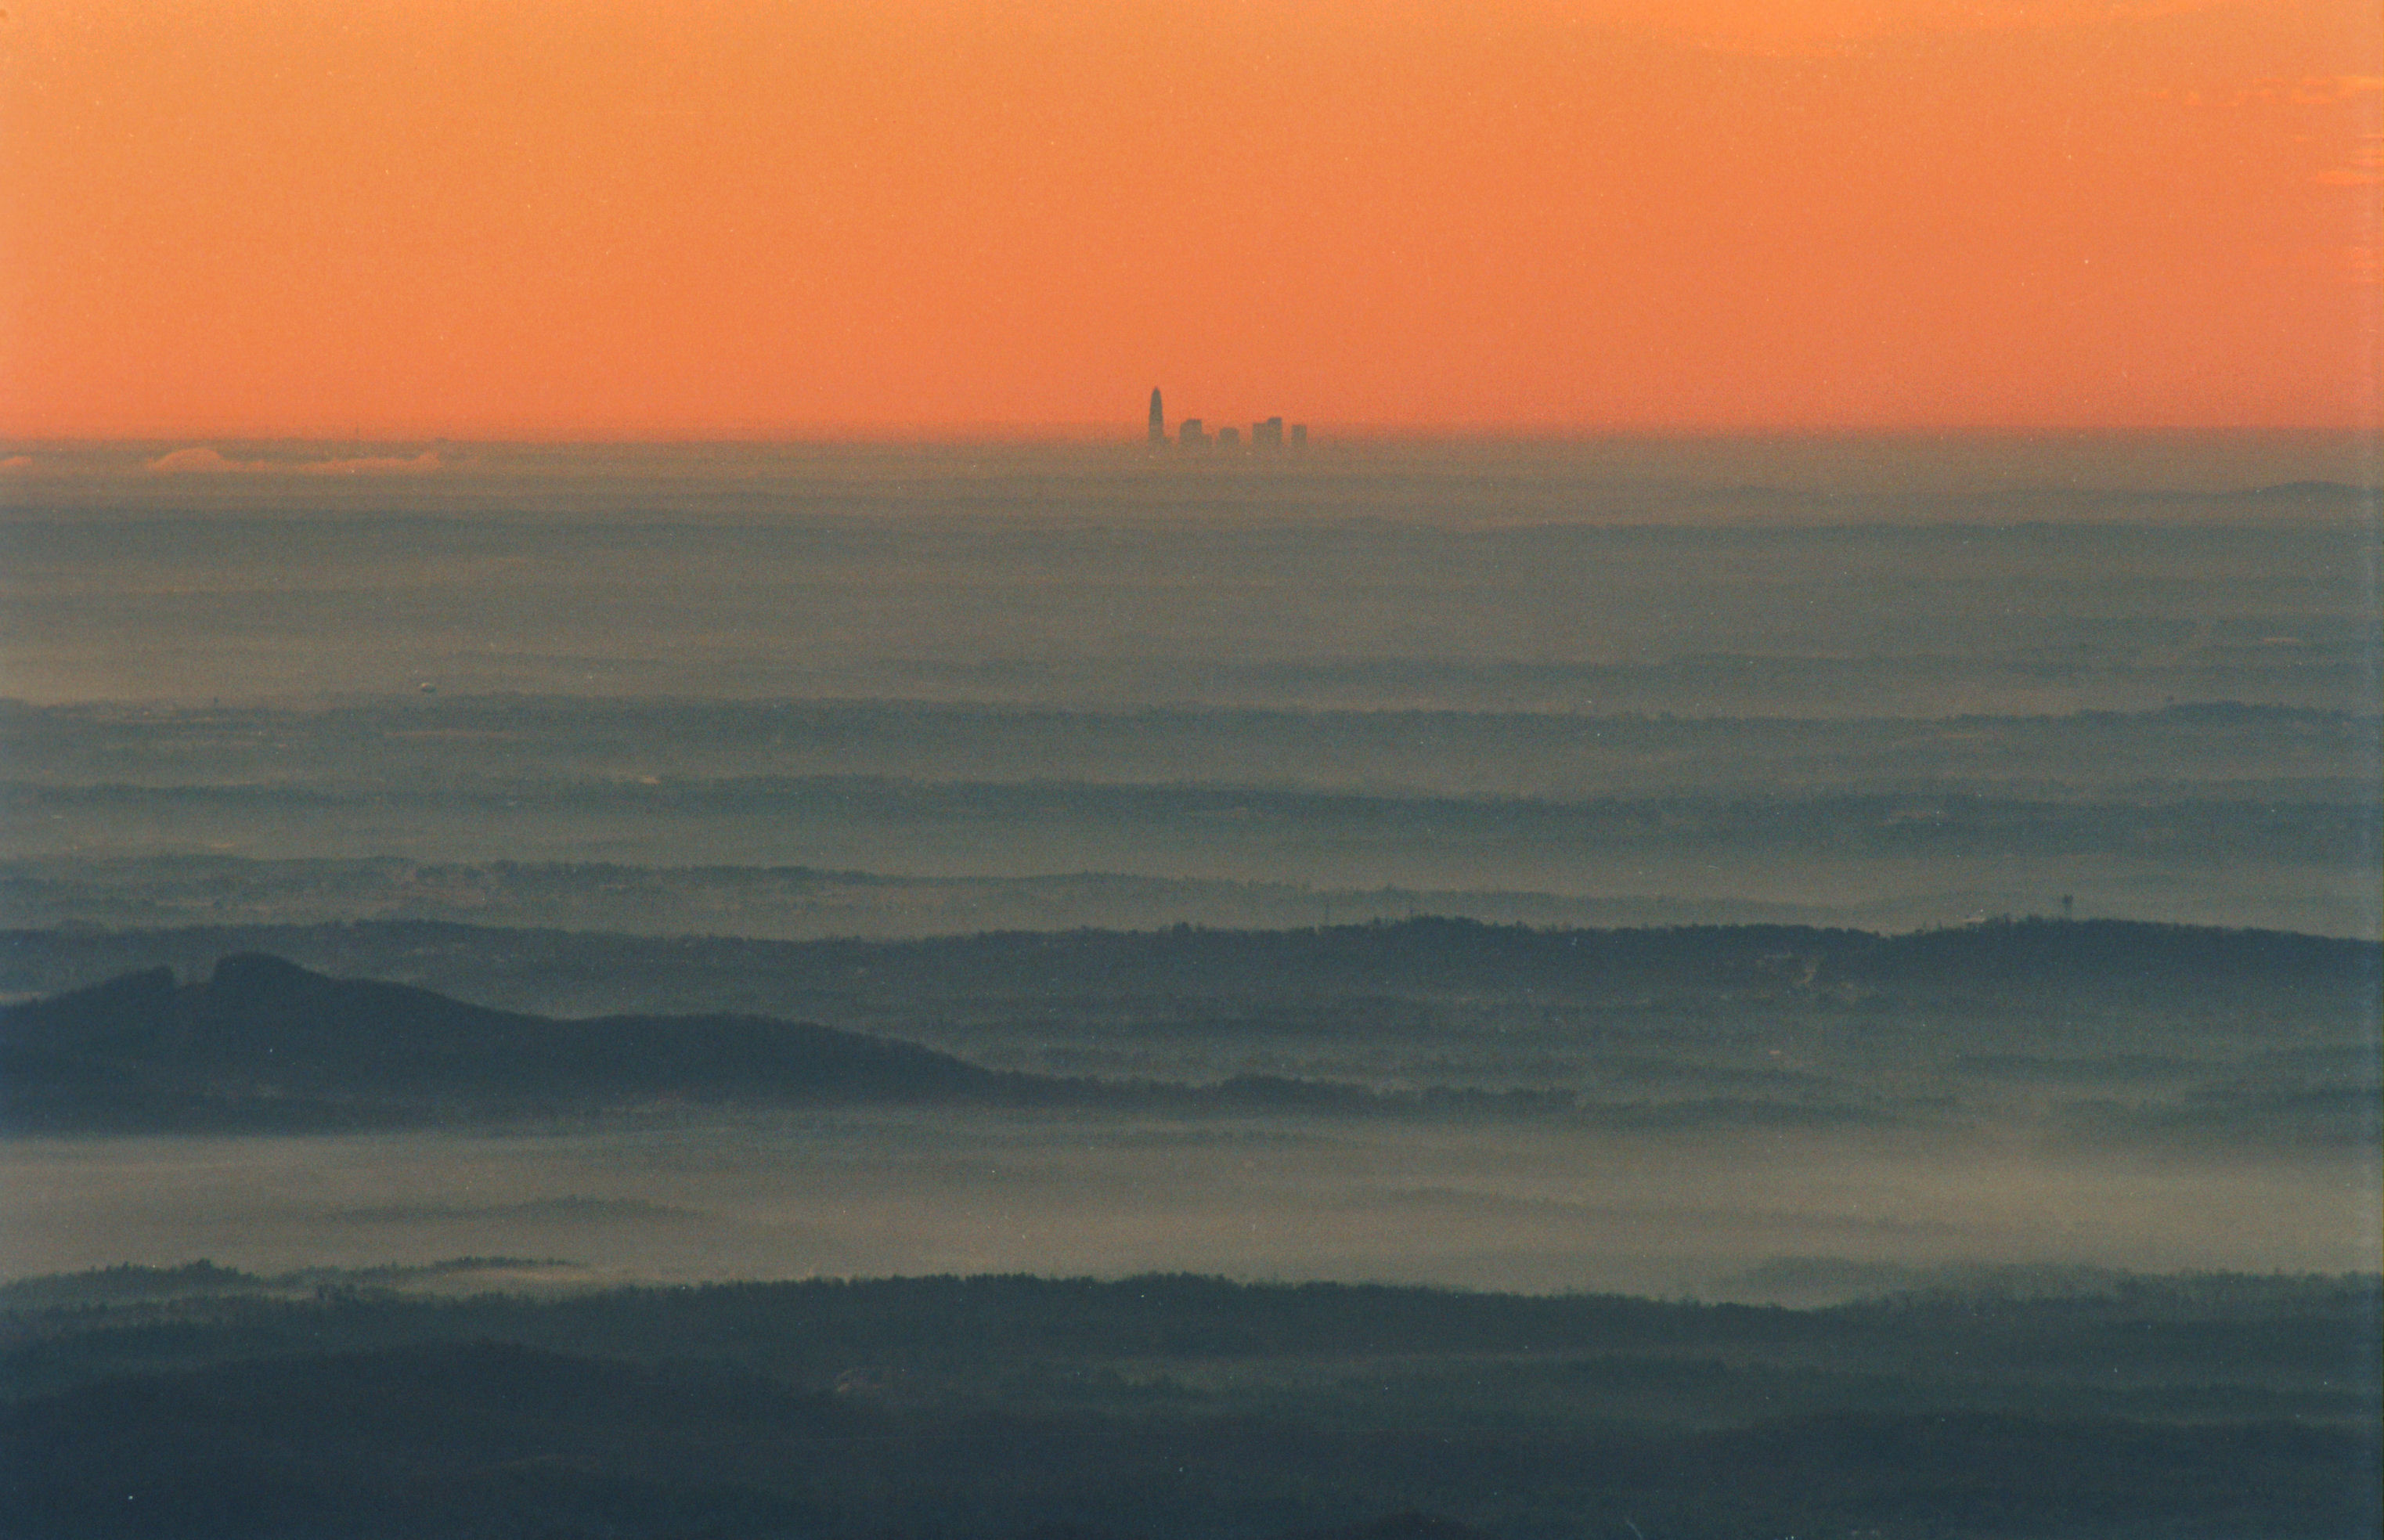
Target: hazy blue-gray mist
(888, 691)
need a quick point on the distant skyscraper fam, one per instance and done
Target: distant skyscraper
(1267, 434)
(1190, 436)
(1229, 438)
(1157, 418)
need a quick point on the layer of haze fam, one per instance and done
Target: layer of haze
(278, 216)
(866, 1194)
(901, 690)
(1895, 682)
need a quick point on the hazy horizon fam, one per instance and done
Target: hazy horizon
(1578, 683)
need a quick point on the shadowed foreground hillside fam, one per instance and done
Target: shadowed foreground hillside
(213, 1405)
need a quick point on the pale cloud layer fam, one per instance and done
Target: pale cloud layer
(204, 459)
(374, 464)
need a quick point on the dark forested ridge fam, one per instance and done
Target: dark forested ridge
(2155, 961)
(263, 1043)
(2133, 1031)
(264, 1039)
(2037, 1340)
(1186, 1407)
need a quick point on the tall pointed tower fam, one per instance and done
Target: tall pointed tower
(1157, 418)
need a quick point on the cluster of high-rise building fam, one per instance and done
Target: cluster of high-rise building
(1194, 434)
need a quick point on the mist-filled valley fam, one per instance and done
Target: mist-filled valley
(2026, 1222)
(1213, 999)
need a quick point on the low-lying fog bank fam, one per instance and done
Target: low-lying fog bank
(877, 1192)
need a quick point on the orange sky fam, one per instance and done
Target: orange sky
(745, 218)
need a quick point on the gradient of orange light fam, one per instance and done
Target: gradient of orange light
(749, 217)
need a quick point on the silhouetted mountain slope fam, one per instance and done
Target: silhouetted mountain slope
(265, 1043)
(266, 1036)
(2177, 1032)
